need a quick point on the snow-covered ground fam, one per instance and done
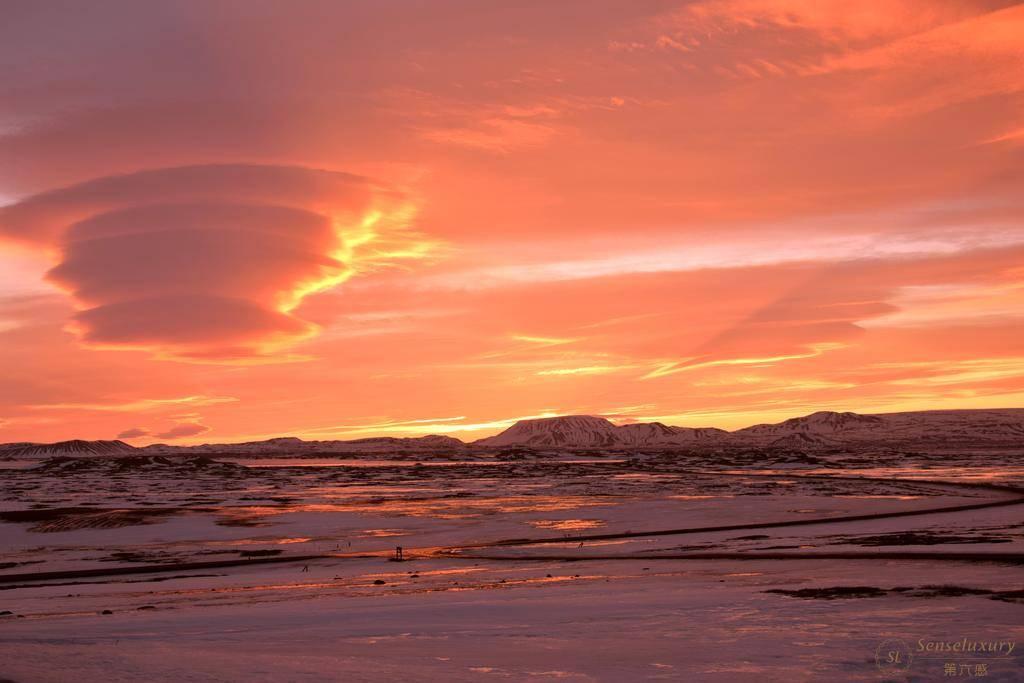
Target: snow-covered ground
(479, 597)
(703, 621)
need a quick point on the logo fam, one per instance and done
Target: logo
(893, 655)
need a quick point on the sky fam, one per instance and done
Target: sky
(228, 220)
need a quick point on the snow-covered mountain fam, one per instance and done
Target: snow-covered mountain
(571, 430)
(288, 445)
(294, 446)
(821, 424)
(821, 429)
(926, 429)
(75, 447)
(587, 431)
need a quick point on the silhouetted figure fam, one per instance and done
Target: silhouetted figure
(305, 568)
(398, 553)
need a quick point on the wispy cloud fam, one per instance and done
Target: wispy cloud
(689, 366)
(585, 370)
(686, 257)
(140, 405)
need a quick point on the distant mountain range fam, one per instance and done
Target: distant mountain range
(75, 447)
(935, 428)
(586, 431)
(818, 430)
(287, 445)
(291, 444)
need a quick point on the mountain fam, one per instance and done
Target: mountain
(823, 429)
(817, 430)
(820, 423)
(571, 430)
(586, 431)
(962, 429)
(294, 446)
(76, 447)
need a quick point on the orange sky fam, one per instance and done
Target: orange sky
(225, 221)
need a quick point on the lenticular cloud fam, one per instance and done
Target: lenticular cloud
(201, 262)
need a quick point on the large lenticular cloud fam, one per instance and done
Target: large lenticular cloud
(202, 262)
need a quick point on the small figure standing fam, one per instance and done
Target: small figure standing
(398, 553)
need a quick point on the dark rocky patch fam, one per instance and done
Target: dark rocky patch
(918, 538)
(138, 463)
(70, 519)
(941, 591)
(832, 593)
(1016, 597)
(928, 591)
(259, 553)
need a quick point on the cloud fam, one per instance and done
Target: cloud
(140, 404)
(209, 262)
(584, 370)
(494, 134)
(426, 426)
(664, 204)
(182, 430)
(133, 433)
(835, 22)
(684, 256)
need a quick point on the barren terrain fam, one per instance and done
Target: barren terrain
(591, 566)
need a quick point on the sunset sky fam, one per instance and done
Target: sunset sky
(231, 220)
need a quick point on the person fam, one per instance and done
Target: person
(398, 553)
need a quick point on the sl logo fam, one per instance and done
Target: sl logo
(893, 655)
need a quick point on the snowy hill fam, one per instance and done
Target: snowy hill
(586, 431)
(571, 430)
(822, 429)
(76, 447)
(933, 427)
(820, 423)
(295, 446)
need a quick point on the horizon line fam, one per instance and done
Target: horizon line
(609, 417)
